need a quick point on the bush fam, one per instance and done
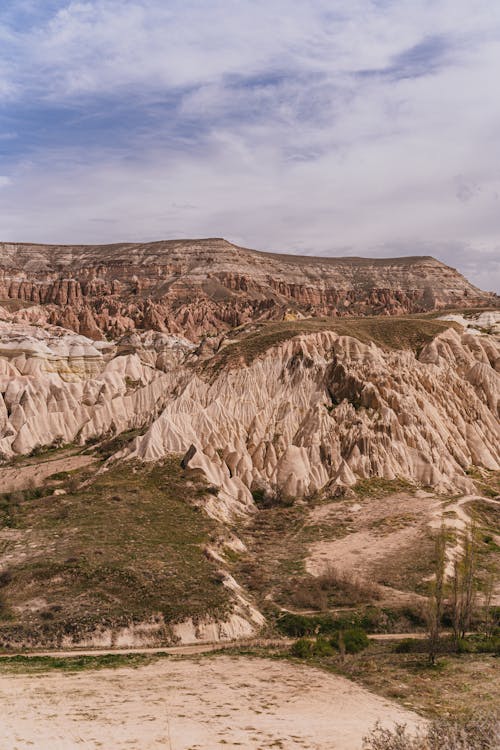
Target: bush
(488, 645)
(322, 647)
(308, 594)
(341, 588)
(297, 626)
(355, 640)
(478, 732)
(410, 646)
(305, 648)
(302, 649)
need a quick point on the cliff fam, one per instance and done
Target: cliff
(199, 287)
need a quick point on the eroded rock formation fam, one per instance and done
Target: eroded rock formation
(323, 409)
(317, 410)
(198, 287)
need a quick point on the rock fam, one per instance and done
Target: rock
(200, 287)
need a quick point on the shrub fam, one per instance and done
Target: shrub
(302, 649)
(409, 646)
(333, 587)
(489, 645)
(322, 647)
(309, 594)
(297, 626)
(478, 732)
(59, 475)
(355, 640)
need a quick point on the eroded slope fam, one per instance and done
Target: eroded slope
(195, 287)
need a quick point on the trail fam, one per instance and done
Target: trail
(191, 649)
(458, 523)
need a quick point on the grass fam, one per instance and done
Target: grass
(124, 548)
(377, 487)
(20, 664)
(277, 539)
(457, 685)
(410, 332)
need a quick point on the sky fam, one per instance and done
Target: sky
(321, 127)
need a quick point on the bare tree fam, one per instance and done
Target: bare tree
(436, 600)
(489, 621)
(464, 585)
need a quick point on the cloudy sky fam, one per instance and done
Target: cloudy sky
(327, 127)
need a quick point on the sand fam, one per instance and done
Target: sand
(190, 704)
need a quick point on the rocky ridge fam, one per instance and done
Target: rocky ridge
(324, 410)
(313, 411)
(199, 287)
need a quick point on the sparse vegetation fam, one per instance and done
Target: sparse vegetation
(480, 731)
(38, 664)
(333, 588)
(409, 332)
(95, 562)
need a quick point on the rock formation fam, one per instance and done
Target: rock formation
(325, 410)
(292, 414)
(199, 287)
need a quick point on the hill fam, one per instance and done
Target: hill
(208, 286)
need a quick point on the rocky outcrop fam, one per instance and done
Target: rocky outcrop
(323, 410)
(317, 410)
(60, 387)
(199, 287)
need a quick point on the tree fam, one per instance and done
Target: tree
(464, 585)
(436, 600)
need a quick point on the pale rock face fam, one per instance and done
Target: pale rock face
(317, 410)
(59, 386)
(323, 408)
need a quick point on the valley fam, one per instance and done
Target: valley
(200, 459)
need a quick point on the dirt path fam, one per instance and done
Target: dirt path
(24, 477)
(191, 704)
(191, 649)
(458, 521)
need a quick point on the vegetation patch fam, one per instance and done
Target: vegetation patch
(477, 731)
(20, 664)
(126, 548)
(333, 588)
(409, 332)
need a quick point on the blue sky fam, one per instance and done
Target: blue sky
(366, 127)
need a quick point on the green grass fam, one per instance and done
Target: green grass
(125, 548)
(377, 487)
(20, 664)
(410, 332)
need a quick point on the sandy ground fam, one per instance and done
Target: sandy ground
(33, 475)
(190, 704)
(368, 540)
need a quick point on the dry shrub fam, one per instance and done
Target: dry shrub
(478, 732)
(334, 586)
(347, 586)
(308, 594)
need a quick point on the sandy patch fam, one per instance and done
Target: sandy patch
(378, 528)
(14, 478)
(226, 702)
(357, 552)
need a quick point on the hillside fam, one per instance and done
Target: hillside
(209, 286)
(154, 489)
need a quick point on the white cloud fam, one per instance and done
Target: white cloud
(365, 127)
